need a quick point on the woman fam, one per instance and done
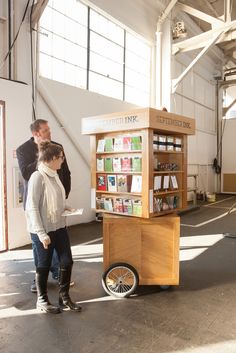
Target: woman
(44, 207)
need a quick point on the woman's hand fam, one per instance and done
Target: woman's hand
(46, 242)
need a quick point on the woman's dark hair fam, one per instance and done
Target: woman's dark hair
(48, 150)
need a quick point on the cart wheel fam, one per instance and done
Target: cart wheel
(120, 280)
(165, 287)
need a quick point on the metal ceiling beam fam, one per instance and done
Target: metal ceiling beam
(215, 22)
(202, 39)
(175, 82)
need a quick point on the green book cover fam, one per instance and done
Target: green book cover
(108, 164)
(109, 144)
(136, 164)
(136, 143)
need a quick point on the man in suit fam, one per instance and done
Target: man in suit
(27, 155)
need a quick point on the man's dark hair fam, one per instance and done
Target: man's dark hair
(35, 126)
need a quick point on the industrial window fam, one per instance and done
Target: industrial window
(82, 48)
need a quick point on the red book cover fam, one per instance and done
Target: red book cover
(102, 182)
(126, 164)
(127, 143)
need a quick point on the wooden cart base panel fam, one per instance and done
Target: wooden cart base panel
(151, 246)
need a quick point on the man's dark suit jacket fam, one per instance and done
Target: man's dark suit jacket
(27, 155)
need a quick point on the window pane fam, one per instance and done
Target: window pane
(58, 23)
(60, 5)
(58, 47)
(137, 46)
(105, 86)
(137, 63)
(75, 54)
(70, 78)
(58, 70)
(137, 80)
(75, 32)
(136, 96)
(80, 77)
(106, 67)
(77, 11)
(108, 29)
(106, 48)
(46, 18)
(45, 65)
(45, 39)
(81, 35)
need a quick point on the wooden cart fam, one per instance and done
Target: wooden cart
(139, 245)
(140, 251)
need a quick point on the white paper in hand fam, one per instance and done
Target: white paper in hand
(77, 212)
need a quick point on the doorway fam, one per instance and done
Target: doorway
(3, 186)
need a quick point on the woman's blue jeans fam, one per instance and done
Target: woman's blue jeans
(59, 242)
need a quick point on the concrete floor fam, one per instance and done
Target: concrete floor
(198, 316)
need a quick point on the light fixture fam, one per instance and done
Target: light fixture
(179, 30)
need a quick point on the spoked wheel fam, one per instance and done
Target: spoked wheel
(120, 280)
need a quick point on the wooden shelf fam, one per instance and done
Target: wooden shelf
(168, 152)
(129, 173)
(156, 193)
(168, 172)
(118, 193)
(119, 152)
(116, 213)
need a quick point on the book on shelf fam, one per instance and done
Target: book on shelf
(170, 200)
(118, 205)
(136, 164)
(161, 143)
(102, 182)
(136, 143)
(136, 185)
(155, 142)
(165, 205)
(100, 203)
(100, 164)
(178, 144)
(108, 204)
(155, 163)
(127, 206)
(174, 183)
(108, 164)
(170, 143)
(126, 164)
(116, 164)
(124, 183)
(111, 183)
(126, 143)
(118, 144)
(109, 144)
(101, 145)
(166, 182)
(137, 207)
(157, 182)
(157, 204)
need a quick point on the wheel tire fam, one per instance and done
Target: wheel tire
(120, 280)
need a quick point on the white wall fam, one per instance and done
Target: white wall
(18, 118)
